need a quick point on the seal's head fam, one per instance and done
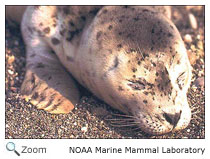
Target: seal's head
(141, 66)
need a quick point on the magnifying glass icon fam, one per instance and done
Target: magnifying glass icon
(11, 147)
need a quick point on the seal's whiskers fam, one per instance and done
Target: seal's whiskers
(123, 125)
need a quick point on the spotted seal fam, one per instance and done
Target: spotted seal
(131, 57)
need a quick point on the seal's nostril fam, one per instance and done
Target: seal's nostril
(172, 118)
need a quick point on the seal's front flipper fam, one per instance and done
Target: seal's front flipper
(47, 85)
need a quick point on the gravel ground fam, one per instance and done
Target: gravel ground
(90, 118)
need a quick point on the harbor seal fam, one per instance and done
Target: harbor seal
(131, 57)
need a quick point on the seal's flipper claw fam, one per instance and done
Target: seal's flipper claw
(47, 85)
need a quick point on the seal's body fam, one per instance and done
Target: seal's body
(132, 57)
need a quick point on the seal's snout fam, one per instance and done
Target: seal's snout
(172, 118)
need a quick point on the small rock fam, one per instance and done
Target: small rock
(10, 72)
(192, 57)
(84, 129)
(188, 38)
(193, 21)
(200, 73)
(198, 37)
(193, 48)
(72, 136)
(14, 89)
(200, 45)
(184, 137)
(11, 59)
(199, 82)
